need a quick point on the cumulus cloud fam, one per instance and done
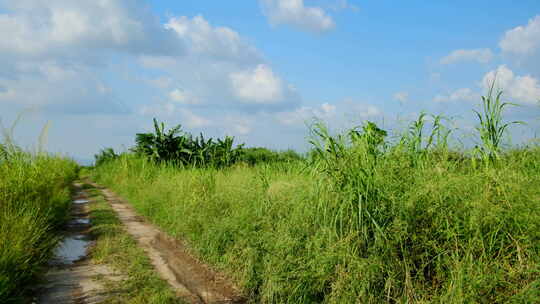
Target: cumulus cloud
(522, 40)
(171, 110)
(258, 85)
(523, 89)
(463, 94)
(462, 55)
(221, 69)
(50, 86)
(57, 49)
(295, 13)
(62, 48)
(217, 42)
(401, 96)
(58, 27)
(80, 57)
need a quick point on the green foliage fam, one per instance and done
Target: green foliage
(492, 128)
(440, 232)
(3, 153)
(181, 148)
(105, 155)
(113, 246)
(34, 198)
(260, 155)
(369, 221)
(416, 145)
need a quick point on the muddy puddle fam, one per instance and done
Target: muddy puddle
(75, 243)
(70, 277)
(71, 250)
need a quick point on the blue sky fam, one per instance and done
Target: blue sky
(98, 71)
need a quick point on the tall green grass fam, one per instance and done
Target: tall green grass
(363, 220)
(34, 198)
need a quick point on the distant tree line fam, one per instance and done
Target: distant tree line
(180, 148)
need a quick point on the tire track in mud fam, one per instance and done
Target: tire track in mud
(70, 278)
(193, 281)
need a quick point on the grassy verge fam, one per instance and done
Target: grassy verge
(440, 230)
(364, 219)
(117, 249)
(34, 199)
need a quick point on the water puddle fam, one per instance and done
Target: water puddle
(71, 249)
(75, 243)
(79, 221)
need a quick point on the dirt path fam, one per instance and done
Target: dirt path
(192, 280)
(71, 278)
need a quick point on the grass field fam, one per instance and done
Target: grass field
(34, 199)
(362, 220)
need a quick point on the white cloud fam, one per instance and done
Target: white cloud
(522, 40)
(259, 85)
(192, 120)
(84, 57)
(303, 114)
(57, 49)
(295, 13)
(463, 94)
(401, 96)
(478, 55)
(220, 68)
(367, 111)
(48, 85)
(56, 27)
(183, 97)
(522, 89)
(239, 124)
(217, 42)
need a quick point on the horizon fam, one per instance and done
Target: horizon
(258, 70)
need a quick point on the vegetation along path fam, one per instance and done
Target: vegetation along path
(71, 278)
(192, 280)
(110, 254)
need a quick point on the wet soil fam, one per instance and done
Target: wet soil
(70, 277)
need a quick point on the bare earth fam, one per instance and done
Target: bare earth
(72, 279)
(192, 280)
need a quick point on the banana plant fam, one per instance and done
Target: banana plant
(182, 148)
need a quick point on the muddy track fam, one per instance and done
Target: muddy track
(70, 277)
(193, 281)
